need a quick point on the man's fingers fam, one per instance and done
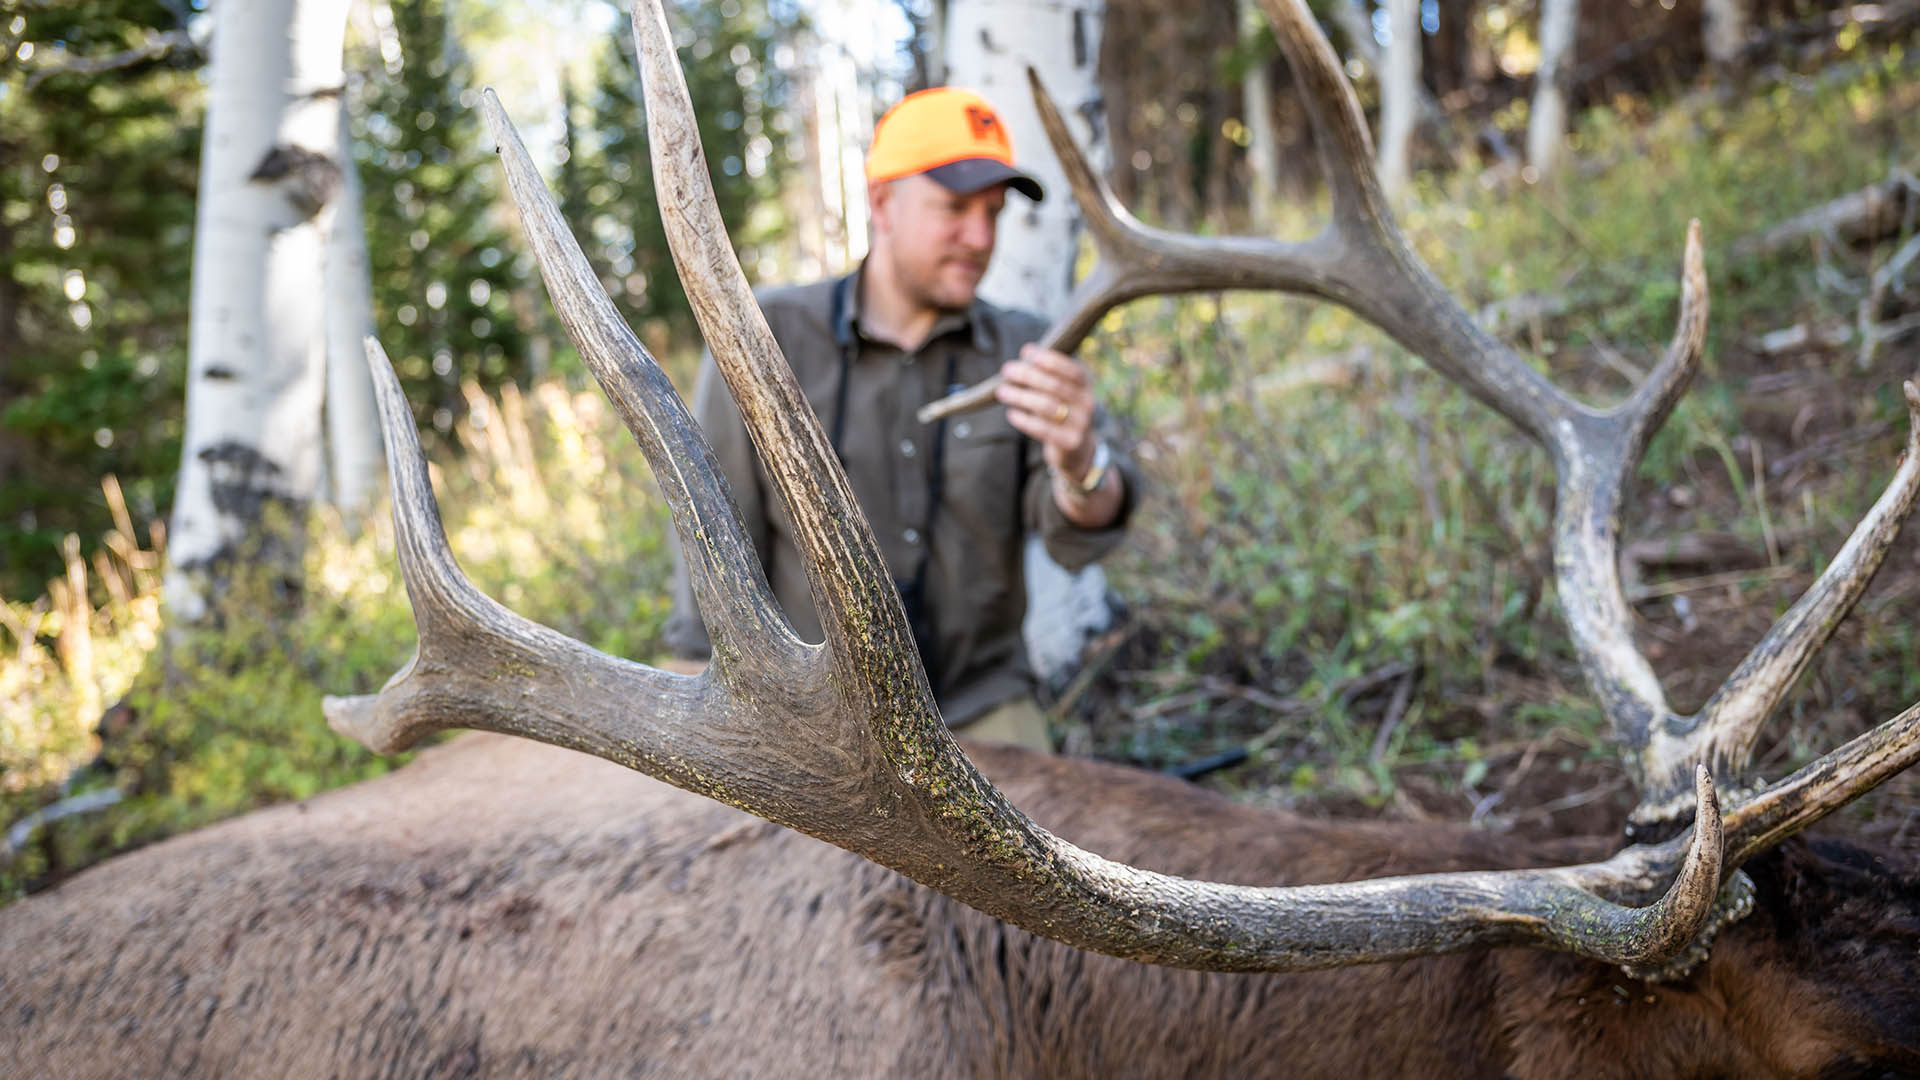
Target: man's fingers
(1052, 437)
(1036, 403)
(1033, 377)
(1057, 364)
(1063, 432)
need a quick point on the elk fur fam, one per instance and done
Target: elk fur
(501, 908)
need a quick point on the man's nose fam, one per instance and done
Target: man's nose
(977, 229)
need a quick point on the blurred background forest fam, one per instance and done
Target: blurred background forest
(1338, 589)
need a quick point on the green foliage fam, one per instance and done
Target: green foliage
(1326, 510)
(445, 267)
(96, 214)
(736, 55)
(97, 184)
(548, 508)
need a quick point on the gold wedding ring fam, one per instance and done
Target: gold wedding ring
(1060, 413)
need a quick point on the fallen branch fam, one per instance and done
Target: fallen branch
(22, 831)
(1862, 216)
(1710, 581)
(1801, 337)
(1826, 446)
(1874, 326)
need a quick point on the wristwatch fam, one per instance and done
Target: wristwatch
(1102, 457)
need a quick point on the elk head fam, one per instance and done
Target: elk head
(843, 740)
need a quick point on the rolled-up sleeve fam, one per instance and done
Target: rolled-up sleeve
(685, 633)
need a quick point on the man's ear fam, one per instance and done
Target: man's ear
(880, 204)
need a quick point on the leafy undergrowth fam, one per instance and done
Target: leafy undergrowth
(94, 695)
(1344, 569)
(1341, 570)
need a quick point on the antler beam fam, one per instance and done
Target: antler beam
(843, 741)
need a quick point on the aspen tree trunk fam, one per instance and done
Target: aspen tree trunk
(989, 45)
(1547, 119)
(1725, 30)
(1399, 94)
(253, 459)
(355, 459)
(1356, 22)
(937, 43)
(1256, 95)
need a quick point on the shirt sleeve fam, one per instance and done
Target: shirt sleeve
(685, 632)
(1073, 547)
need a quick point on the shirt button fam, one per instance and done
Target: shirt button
(911, 536)
(907, 448)
(962, 429)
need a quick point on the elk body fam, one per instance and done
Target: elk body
(501, 908)
(504, 909)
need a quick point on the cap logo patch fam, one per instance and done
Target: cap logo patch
(985, 125)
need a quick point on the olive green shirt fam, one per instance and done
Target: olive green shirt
(995, 485)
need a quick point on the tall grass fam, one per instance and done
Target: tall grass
(544, 509)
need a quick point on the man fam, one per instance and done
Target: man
(951, 501)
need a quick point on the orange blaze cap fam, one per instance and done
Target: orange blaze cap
(953, 136)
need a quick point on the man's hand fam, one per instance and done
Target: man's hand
(1049, 398)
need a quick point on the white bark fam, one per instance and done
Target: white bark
(1356, 22)
(989, 45)
(256, 365)
(355, 461)
(1547, 118)
(937, 43)
(1256, 96)
(1725, 30)
(1399, 94)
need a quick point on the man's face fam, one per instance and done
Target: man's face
(939, 241)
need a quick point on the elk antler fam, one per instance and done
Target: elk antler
(843, 740)
(1362, 261)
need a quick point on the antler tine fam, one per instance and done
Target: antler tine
(1602, 451)
(1134, 260)
(744, 616)
(461, 629)
(1823, 786)
(869, 643)
(1722, 733)
(1653, 400)
(1339, 126)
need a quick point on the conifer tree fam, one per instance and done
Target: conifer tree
(444, 265)
(99, 135)
(734, 53)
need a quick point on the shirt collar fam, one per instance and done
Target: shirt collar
(973, 320)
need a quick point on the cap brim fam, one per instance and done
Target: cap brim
(968, 175)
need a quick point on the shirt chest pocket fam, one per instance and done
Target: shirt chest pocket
(984, 474)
